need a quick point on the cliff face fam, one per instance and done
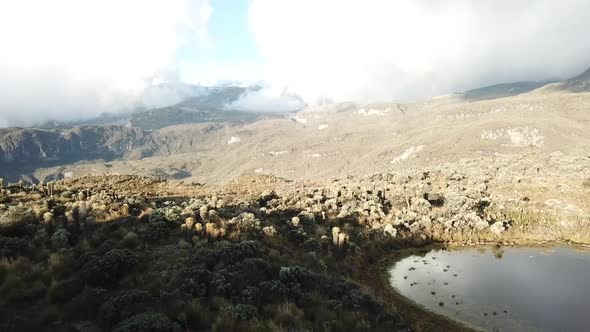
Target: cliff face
(18, 145)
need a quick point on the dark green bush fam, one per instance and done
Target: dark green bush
(238, 251)
(232, 279)
(11, 247)
(158, 231)
(65, 290)
(250, 295)
(109, 268)
(242, 312)
(273, 291)
(148, 322)
(84, 306)
(124, 305)
(194, 281)
(297, 275)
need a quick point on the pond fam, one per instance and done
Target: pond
(508, 289)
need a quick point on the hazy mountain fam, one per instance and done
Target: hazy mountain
(501, 90)
(216, 98)
(580, 83)
(577, 84)
(170, 116)
(210, 106)
(104, 119)
(183, 103)
(197, 139)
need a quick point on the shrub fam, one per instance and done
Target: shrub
(148, 322)
(307, 217)
(109, 268)
(312, 245)
(233, 278)
(11, 247)
(244, 312)
(60, 238)
(245, 222)
(130, 241)
(297, 236)
(296, 275)
(238, 251)
(64, 290)
(84, 306)
(194, 281)
(158, 231)
(273, 291)
(17, 221)
(250, 295)
(124, 305)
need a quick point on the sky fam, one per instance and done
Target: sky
(229, 55)
(66, 59)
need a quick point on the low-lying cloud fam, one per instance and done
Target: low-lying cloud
(63, 59)
(368, 50)
(66, 59)
(267, 99)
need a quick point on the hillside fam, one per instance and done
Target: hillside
(331, 140)
(577, 84)
(18, 145)
(319, 143)
(226, 223)
(500, 90)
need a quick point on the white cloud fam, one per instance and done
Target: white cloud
(63, 58)
(267, 99)
(380, 49)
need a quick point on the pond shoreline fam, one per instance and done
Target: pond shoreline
(419, 317)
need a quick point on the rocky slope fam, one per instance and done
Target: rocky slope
(279, 224)
(128, 253)
(332, 140)
(320, 143)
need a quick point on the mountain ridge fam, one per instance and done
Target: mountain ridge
(330, 139)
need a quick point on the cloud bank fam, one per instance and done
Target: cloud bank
(64, 58)
(366, 50)
(268, 99)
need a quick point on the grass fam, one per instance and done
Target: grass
(534, 226)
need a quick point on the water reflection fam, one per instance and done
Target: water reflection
(506, 289)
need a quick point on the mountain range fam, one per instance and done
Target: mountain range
(201, 139)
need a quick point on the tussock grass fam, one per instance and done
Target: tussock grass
(530, 226)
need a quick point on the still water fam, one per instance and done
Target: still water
(509, 289)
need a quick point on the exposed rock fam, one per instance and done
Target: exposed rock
(390, 231)
(497, 228)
